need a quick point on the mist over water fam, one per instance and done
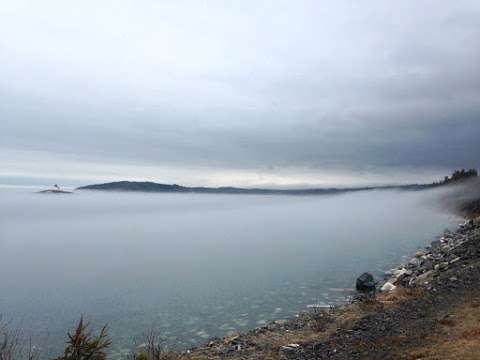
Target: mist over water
(194, 266)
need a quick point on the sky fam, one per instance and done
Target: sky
(242, 93)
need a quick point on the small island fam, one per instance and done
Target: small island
(54, 190)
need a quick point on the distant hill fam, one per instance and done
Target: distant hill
(156, 187)
(148, 186)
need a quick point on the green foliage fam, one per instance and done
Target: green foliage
(82, 345)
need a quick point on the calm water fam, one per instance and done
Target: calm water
(194, 266)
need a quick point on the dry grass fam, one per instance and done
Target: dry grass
(270, 341)
(342, 317)
(395, 297)
(458, 338)
(155, 350)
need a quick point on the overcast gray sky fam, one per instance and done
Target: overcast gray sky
(245, 93)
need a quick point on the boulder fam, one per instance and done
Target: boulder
(365, 283)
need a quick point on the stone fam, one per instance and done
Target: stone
(424, 276)
(419, 254)
(414, 262)
(389, 273)
(427, 265)
(365, 283)
(454, 260)
(443, 265)
(435, 244)
(319, 306)
(388, 286)
(450, 257)
(290, 348)
(398, 275)
(399, 272)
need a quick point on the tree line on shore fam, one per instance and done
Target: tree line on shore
(459, 175)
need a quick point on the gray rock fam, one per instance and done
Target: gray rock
(443, 265)
(454, 260)
(424, 276)
(388, 286)
(427, 265)
(365, 283)
(415, 262)
(435, 244)
(290, 348)
(398, 275)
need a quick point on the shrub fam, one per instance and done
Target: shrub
(82, 345)
(13, 345)
(154, 350)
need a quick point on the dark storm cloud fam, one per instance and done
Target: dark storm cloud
(310, 85)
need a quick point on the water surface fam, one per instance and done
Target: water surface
(194, 266)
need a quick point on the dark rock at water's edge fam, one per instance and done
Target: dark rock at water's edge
(365, 283)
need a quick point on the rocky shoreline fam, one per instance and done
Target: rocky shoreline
(404, 313)
(438, 256)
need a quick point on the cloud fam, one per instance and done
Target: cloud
(292, 92)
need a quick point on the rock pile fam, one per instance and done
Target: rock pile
(439, 256)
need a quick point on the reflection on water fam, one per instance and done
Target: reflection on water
(194, 265)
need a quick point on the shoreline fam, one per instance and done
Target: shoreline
(438, 278)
